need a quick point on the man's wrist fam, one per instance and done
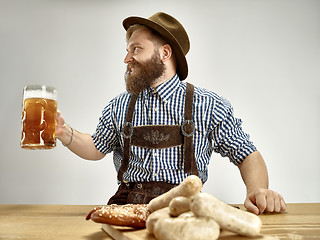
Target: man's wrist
(66, 137)
(71, 137)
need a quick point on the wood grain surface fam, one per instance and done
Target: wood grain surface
(300, 221)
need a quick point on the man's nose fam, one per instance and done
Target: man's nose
(128, 58)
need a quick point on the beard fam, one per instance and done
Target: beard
(144, 73)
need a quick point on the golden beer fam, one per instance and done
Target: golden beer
(39, 117)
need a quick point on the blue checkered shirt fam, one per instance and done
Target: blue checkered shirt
(216, 129)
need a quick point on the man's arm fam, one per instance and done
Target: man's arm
(255, 176)
(81, 143)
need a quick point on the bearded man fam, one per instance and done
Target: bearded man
(163, 129)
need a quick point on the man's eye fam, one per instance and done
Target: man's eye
(136, 49)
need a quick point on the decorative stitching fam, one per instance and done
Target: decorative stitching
(156, 137)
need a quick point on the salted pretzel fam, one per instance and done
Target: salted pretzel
(130, 215)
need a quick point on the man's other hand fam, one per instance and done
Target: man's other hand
(264, 200)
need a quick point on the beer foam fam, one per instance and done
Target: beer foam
(39, 94)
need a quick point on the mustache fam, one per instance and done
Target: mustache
(132, 65)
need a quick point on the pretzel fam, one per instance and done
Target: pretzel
(130, 215)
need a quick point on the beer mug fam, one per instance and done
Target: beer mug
(39, 117)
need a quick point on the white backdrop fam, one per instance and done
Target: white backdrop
(262, 55)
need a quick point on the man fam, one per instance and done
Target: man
(164, 129)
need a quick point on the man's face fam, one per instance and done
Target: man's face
(143, 61)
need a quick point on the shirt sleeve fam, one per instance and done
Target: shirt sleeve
(229, 138)
(105, 137)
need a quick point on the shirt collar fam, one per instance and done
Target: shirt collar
(166, 89)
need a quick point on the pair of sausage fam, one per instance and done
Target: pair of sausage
(197, 215)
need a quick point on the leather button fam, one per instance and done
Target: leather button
(139, 185)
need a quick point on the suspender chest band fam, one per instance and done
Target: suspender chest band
(157, 136)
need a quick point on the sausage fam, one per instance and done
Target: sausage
(188, 188)
(228, 217)
(186, 228)
(156, 216)
(179, 205)
(187, 214)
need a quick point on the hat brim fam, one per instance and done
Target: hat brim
(182, 66)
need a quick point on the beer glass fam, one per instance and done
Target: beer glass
(39, 117)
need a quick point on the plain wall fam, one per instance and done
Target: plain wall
(261, 55)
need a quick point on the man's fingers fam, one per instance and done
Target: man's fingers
(270, 202)
(261, 202)
(249, 205)
(60, 120)
(60, 124)
(275, 202)
(277, 205)
(283, 205)
(265, 200)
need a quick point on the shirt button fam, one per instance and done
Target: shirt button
(155, 154)
(155, 174)
(156, 109)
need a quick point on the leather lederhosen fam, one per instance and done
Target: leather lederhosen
(155, 137)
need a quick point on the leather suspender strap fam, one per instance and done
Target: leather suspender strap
(127, 133)
(187, 128)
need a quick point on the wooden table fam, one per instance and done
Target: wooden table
(300, 221)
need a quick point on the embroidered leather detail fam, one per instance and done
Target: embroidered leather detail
(156, 137)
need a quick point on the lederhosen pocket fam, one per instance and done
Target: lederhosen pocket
(155, 137)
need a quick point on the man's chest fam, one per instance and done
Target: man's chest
(153, 110)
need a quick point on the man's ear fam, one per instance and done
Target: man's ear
(165, 52)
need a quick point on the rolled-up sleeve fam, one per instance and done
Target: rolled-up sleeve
(228, 137)
(105, 137)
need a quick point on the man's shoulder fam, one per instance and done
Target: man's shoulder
(203, 94)
(121, 98)
(118, 102)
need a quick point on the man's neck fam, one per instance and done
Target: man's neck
(165, 77)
